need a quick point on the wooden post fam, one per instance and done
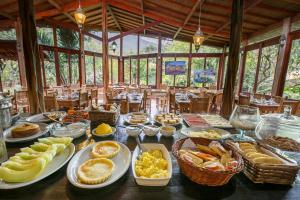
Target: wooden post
(70, 70)
(120, 64)
(111, 71)
(222, 64)
(257, 68)
(94, 68)
(43, 66)
(138, 61)
(189, 66)
(282, 59)
(105, 49)
(56, 58)
(130, 72)
(81, 59)
(147, 78)
(233, 59)
(242, 67)
(158, 64)
(31, 57)
(21, 61)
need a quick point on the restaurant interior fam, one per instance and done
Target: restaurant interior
(148, 99)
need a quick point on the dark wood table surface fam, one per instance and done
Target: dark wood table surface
(56, 186)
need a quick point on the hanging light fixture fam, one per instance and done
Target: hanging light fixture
(114, 46)
(79, 16)
(199, 36)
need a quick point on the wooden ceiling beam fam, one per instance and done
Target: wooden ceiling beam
(188, 17)
(7, 23)
(143, 16)
(114, 18)
(57, 6)
(293, 1)
(8, 16)
(134, 30)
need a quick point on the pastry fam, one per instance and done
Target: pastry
(105, 149)
(95, 171)
(25, 130)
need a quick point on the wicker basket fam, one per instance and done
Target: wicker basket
(204, 176)
(284, 174)
(109, 117)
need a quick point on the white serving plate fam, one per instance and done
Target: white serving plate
(104, 135)
(121, 160)
(8, 138)
(40, 118)
(152, 181)
(223, 133)
(73, 133)
(58, 161)
(128, 117)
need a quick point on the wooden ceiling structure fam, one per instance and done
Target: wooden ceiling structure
(176, 19)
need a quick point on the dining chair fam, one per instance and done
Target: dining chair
(21, 100)
(294, 105)
(265, 109)
(278, 100)
(146, 102)
(124, 106)
(163, 101)
(83, 100)
(94, 96)
(244, 99)
(200, 105)
(219, 101)
(50, 103)
(259, 96)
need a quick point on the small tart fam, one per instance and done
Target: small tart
(105, 149)
(95, 171)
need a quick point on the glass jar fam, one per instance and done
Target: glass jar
(3, 151)
(5, 115)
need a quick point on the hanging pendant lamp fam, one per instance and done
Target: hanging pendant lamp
(79, 16)
(199, 37)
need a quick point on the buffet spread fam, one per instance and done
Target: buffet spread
(207, 154)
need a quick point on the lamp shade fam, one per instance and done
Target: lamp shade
(114, 46)
(198, 39)
(79, 17)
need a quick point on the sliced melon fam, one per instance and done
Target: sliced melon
(48, 155)
(14, 176)
(37, 146)
(30, 150)
(19, 166)
(60, 148)
(54, 140)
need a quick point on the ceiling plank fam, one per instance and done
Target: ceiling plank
(8, 16)
(143, 16)
(188, 17)
(293, 1)
(114, 18)
(57, 6)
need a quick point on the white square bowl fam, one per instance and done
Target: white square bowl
(152, 181)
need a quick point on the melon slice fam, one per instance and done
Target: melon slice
(56, 140)
(41, 147)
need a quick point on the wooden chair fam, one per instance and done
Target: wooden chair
(124, 106)
(212, 87)
(279, 100)
(219, 101)
(163, 101)
(109, 98)
(21, 100)
(83, 99)
(244, 99)
(294, 105)
(268, 109)
(200, 105)
(50, 103)
(259, 96)
(94, 96)
(146, 102)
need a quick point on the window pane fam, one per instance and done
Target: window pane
(267, 69)
(10, 75)
(250, 69)
(207, 49)
(167, 79)
(213, 64)
(115, 70)
(63, 68)
(67, 38)
(175, 46)
(50, 71)
(152, 71)
(99, 70)
(197, 64)
(89, 70)
(127, 71)
(133, 71)
(292, 81)
(9, 34)
(181, 80)
(91, 44)
(75, 69)
(148, 45)
(143, 71)
(130, 45)
(117, 51)
(45, 36)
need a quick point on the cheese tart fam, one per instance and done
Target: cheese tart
(105, 149)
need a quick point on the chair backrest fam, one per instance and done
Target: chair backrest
(83, 98)
(51, 103)
(94, 93)
(124, 106)
(279, 100)
(295, 105)
(22, 97)
(200, 105)
(244, 99)
(258, 96)
(219, 99)
(267, 109)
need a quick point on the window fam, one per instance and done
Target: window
(45, 36)
(174, 46)
(267, 69)
(133, 71)
(89, 70)
(148, 45)
(207, 49)
(67, 38)
(74, 69)
(92, 44)
(151, 71)
(143, 71)
(167, 79)
(130, 45)
(50, 71)
(10, 75)
(63, 68)
(250, 70)
(9, 34)
(213, 64)
(113, 63)
(98, 70)
(197, 64)
(127, 71)
(292, 80)
(111, 52)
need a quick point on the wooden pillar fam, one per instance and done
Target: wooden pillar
(189, 66)
(21, 61)
(105, 48)
(120, 62)
(147, 73)
(158, 64)
(130, 71)
(81, 59)
(282, 59)
(56, 57)
(70, 70)
(242, 67)
(233, 59)
(138, 61)
(94, 68)
(222, 68)
(257, 68)
(43, 66)
(31, 57)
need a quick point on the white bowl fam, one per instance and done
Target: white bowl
(152, 181)
(167, 133)
(133, 130)
(151, 130)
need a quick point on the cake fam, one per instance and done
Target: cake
(25, 130)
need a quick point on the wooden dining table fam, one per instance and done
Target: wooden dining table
(266, 107)
(135, 100)
(57, 186)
